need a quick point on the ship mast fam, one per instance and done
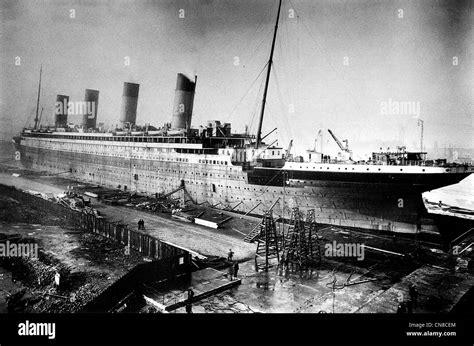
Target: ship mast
(38, 100)
(270, 61)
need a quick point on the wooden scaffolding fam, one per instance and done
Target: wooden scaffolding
(267, 244)
(301, 245)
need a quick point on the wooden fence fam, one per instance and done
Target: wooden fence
(143, 243)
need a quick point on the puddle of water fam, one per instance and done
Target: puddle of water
(262, 285)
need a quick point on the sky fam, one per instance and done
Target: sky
(344, 65)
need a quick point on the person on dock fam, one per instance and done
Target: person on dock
(231, 272)
(190, 295)
(230, 255)
(139, 224)
(189, 304)
(236, 269)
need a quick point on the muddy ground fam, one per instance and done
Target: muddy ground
(87, 263)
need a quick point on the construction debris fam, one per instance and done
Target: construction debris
(179, 214)
(33, 287)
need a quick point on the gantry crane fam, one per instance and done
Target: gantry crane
(343, 148)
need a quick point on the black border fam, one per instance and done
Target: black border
(224, 329)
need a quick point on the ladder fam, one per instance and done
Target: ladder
(249, 238)
(172, 192)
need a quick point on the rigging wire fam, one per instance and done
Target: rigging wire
(248, 90)
(257, 33)
(321, 50)
(259, 45)
(289, 81)
(282, 105)
(257, 103)
(247, 61)
(267, 184)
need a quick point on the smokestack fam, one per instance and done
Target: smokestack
(60, 114)
(183, 102)
(128, 112)
(89, 115)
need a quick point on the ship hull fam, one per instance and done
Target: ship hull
(365, 202)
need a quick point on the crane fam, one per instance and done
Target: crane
(343, 148)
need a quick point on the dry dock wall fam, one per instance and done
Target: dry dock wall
(159, 270)
(167, 261)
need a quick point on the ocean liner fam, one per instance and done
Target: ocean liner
(237, 171)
